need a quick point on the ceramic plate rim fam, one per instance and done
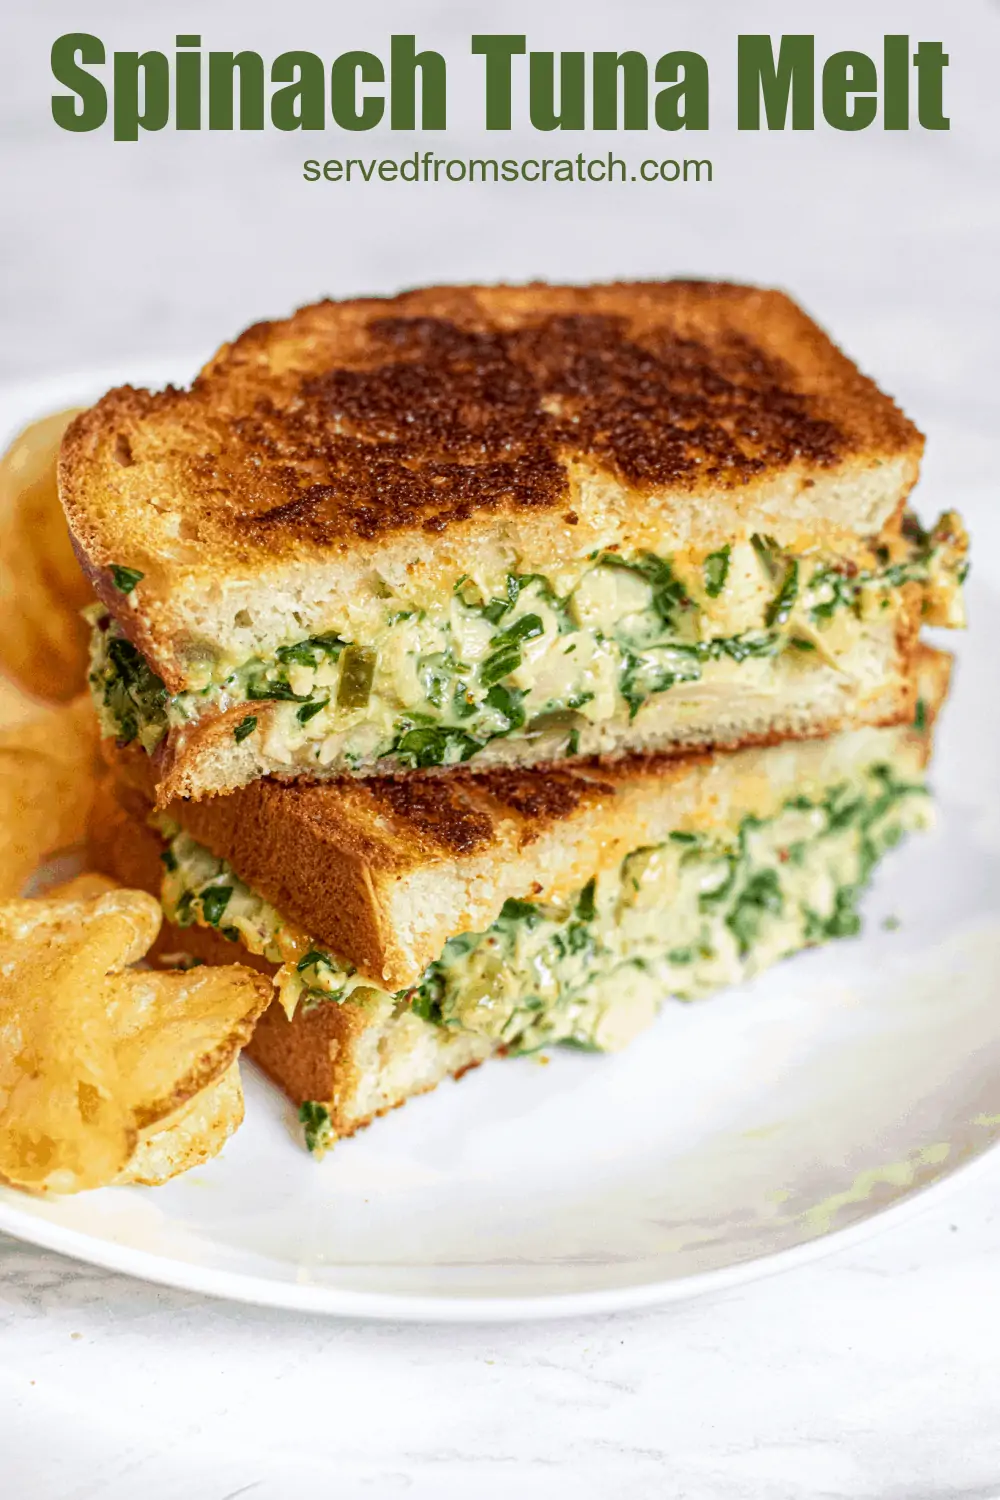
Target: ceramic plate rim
(261, 1291)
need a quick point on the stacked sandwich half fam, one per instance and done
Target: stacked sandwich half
(493, 664)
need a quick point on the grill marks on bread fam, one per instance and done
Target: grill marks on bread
(393, 825)
(447, 422)
(360, 419)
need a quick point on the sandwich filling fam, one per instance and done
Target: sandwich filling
(413, 687)
(684, 917)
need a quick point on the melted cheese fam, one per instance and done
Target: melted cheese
(434, 685)
(681, 919)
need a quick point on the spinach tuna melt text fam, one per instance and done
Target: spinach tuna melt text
(683, 918)
(433, 686)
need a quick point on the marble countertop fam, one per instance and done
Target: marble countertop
(872, 1373)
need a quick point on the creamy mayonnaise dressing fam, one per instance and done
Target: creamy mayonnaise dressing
(682, 918)
(432, 685)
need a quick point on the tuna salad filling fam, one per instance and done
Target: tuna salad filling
(684, 917)
(433, 686)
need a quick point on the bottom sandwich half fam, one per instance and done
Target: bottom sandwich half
(413, 930)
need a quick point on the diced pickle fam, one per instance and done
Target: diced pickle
(357, 669)
(557, 720)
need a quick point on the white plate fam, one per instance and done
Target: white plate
(740, 1135)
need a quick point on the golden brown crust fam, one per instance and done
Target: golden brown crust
(310, 1057)
(125, 847)
(351, 423)
(355, 418)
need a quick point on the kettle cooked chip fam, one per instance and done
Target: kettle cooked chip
(193, 1135)
(48, 776)
(44, 643)
(93, 1052)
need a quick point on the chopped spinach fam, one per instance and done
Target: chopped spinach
(131, 690)
(515, 910)
(499, 666)
(442, 745)
(752, 643)
(669, 597)
(463, 702)
(425, 1000)
(768, 553)
(495, 609)
(245, 727)
(310, 710)
(314, 1118)
(716, 570)
(313, 959)
(214, 901)
(125, 579)
(436, 673)
(641, 676)
(780, 607)
(311, 651)
(524, 629)
(586, 908)
(843, 593)
(759, 896)
(262, 688)
(844, 920)
(507, 701)
(506, 654)
(576, 938)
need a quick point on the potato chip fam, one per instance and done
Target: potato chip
(48, 776)
(176, 1030)
(191, 1136)
(93, 1053)
(44, 644)
(65, 1120)
(15, 705)
(82, 887)
(32, 461)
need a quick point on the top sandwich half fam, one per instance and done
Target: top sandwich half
(502, 525)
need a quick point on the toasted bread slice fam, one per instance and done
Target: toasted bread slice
(501, 526)
(413, 439)
(537, 837)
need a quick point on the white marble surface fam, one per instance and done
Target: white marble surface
(874, 1373)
